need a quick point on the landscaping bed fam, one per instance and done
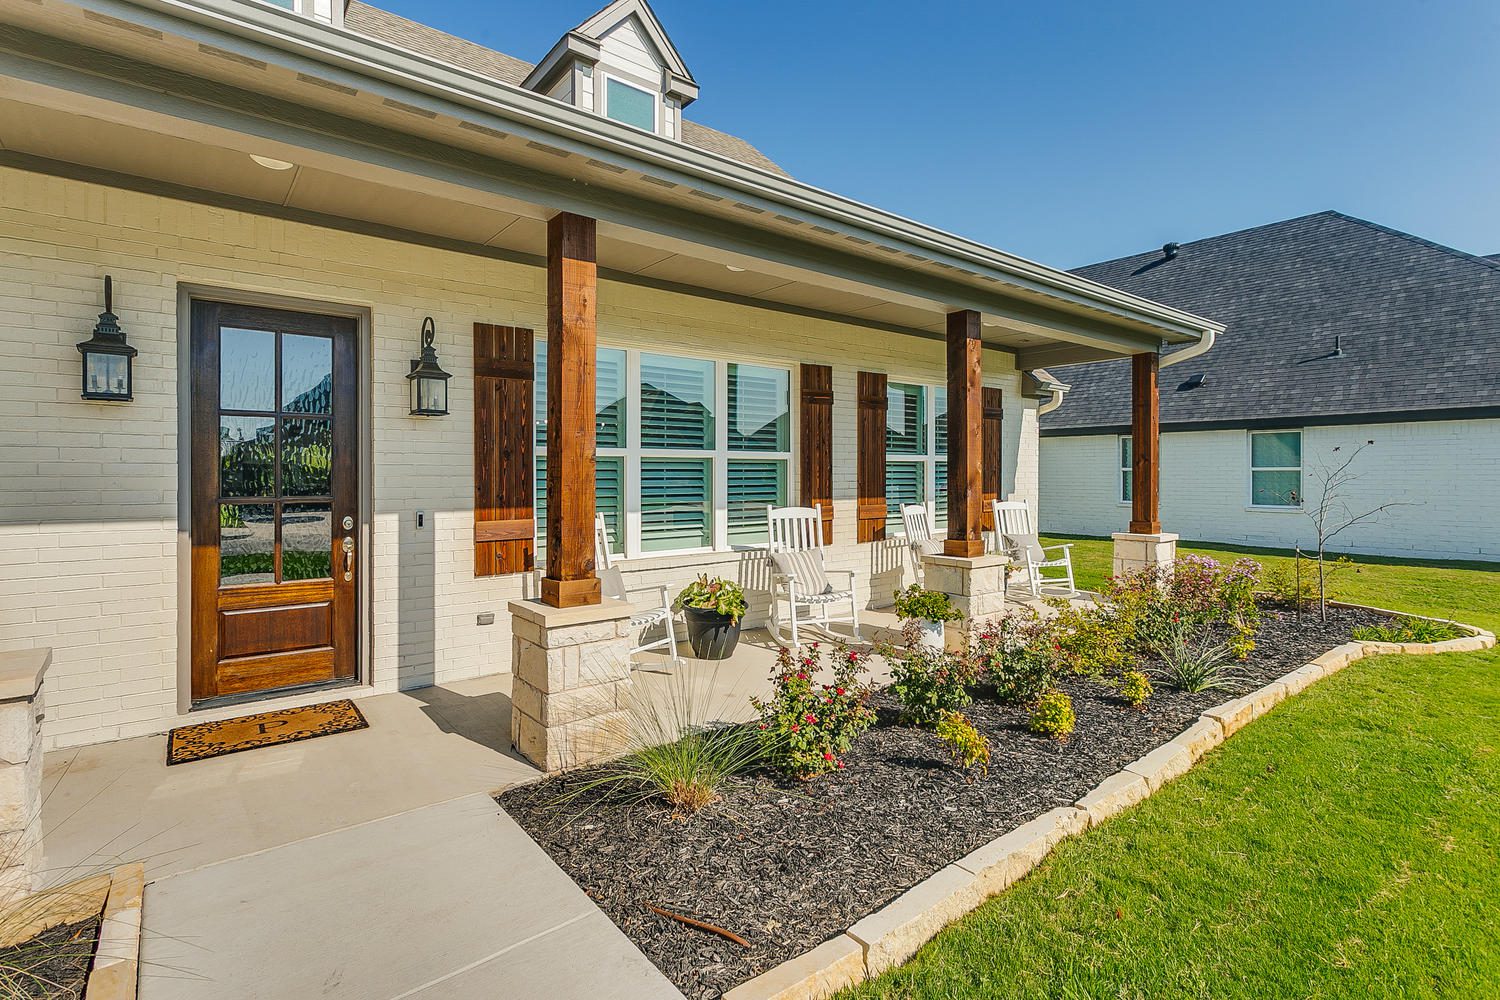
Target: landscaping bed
(786, 864)
(54, 964)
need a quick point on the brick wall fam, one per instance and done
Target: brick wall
(1445, 473)
(89, 529)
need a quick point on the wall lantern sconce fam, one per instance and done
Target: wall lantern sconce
(429, 383)
(106, 357)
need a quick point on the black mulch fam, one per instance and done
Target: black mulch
(53, 965)
(787, 865)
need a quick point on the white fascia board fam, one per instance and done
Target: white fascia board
(274, 31)
(571, 46)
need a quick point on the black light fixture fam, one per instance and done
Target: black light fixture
(429, 383)
(106, 357)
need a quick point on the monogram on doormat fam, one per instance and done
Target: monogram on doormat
(268, 729)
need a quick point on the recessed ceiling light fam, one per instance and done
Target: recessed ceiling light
(271, 163)
(731, 267)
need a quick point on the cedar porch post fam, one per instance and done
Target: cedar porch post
(1145, 446)
(572, 291)
(965, 436)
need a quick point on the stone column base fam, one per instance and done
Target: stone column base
(1134, 552)
(975, 584)
(570, 686)
(21, 704)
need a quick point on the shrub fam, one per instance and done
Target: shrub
(916, 604)
(1283, 583)
(1409, 630)
(1195, 663)
(675, 753)
(968, 745)
(1053, 715)
(1158, 608)
(1012, 655)
(805, 727)
(1092, 640)
(1135, 688)
(717, 594)
(929, 683)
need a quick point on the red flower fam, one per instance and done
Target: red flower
(794, 727)
(762, 725)
(841, 765)
(812, 720)
(828, 756)
(802, 677)
(840, 690)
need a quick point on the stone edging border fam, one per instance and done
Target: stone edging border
(891, 935)
(116, 967)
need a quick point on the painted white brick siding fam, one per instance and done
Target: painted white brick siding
(1446, 473)
(90, 550)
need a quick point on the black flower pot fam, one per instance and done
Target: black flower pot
(713, 636)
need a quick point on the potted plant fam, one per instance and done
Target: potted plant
(713, 609)
(930, 610)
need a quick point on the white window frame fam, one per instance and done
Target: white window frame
(1251, 469)
(720, 455)
(929, 460)
(1127, 470)
(601, 83)
(332, 12)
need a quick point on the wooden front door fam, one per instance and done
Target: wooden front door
(275, 508)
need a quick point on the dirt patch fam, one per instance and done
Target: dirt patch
(787, 865)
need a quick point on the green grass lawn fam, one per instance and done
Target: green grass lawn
(1346, 845)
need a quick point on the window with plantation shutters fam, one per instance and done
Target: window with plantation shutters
(610, 403)
(504, 376)
(753, 486)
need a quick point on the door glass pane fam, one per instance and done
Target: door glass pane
(247, 544)
(247, 369)
(306, 374)
(906, 420)
(247, 450)
(674, 503)
(306, 457)
(677, 398)
(759, 408)
(609, 399)
(753, 486)
(904, 483)
(306, 541)
(1276, 451)
(1276, 489)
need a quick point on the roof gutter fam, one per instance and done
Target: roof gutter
(289, 33)
(1188, 353)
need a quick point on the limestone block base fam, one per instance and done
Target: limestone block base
(570, 689)
(1135, 552)
(975, 584)
(21, 707)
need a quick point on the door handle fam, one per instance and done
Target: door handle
(348, 558)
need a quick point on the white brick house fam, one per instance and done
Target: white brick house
(342, 173)
(1342, 334)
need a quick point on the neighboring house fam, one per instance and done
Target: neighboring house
(1341, 334)
(283, 196)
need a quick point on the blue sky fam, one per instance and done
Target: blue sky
(1075, 131)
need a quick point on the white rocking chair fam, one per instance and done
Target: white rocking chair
(799, 577)
(1016, 529)
(612, 585)
(919, 540)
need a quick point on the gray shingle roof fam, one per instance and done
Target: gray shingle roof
(373, 22)
(1418, 324)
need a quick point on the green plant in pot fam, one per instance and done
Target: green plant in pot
(930, 610)
(713, 609)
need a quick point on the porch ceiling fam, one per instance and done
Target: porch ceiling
(186, 109)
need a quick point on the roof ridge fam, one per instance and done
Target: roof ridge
(1216, 236)
(1421, 241)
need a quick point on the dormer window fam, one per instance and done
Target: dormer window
(630, 105)
(327, 11)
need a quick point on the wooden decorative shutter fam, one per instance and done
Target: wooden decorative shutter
(872, 409)
(817, 442)
(990, 450)
(504, 373)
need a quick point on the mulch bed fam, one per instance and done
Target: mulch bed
(54, 964)
(787, 865)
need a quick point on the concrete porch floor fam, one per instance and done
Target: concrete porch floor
(371, 864)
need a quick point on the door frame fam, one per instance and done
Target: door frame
(364, 596)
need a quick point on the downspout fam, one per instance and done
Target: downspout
(1202, 347)
(1058, 392)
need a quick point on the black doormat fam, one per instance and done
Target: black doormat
(267, 729)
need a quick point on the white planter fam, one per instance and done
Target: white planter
(931, 636)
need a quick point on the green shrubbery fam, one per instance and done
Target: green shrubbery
(1409, 630)
(806, 727)
(968, 745)
(1135, 688)
(1052, 715)
(1013, 656)
(916, 604)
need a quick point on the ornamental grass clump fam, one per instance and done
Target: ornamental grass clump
(970, 748)
(1195, 662)
(1409, 630)
(1135, 688)
(1053, 716)
(928, 682)
(805, 727)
